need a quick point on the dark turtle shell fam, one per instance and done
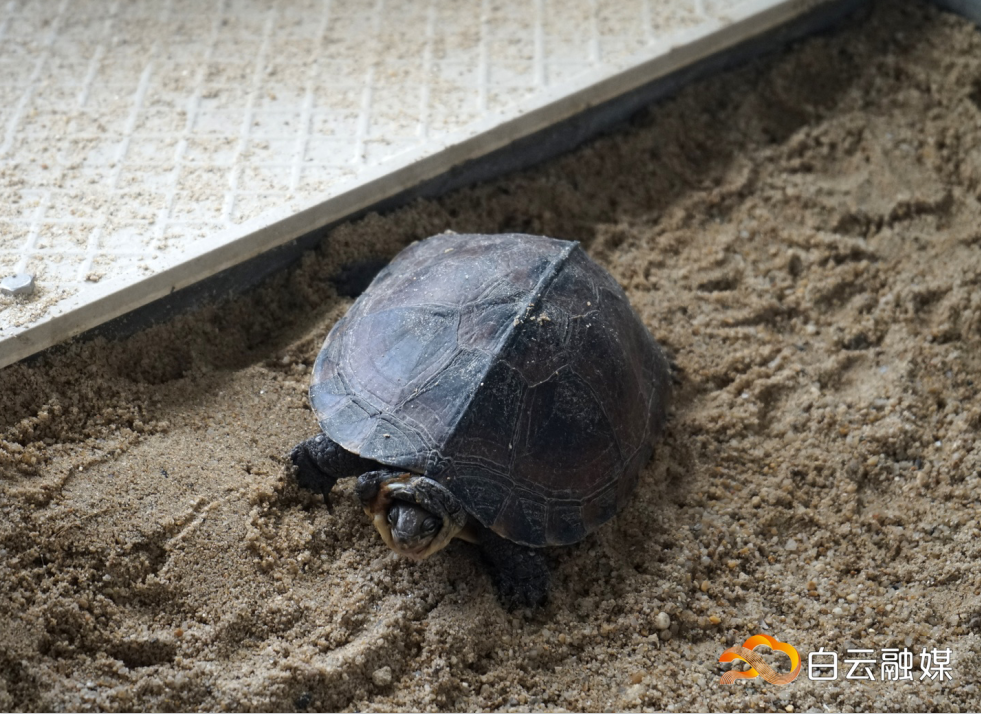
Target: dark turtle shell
(511, 369)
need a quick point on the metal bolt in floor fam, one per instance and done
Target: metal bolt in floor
(20, 284)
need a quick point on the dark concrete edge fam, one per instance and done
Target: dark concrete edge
(521, 154)
(971, 9)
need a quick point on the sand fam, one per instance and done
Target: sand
(804, 236)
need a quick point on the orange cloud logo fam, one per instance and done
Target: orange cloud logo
(759, 668)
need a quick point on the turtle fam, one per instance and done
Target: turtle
(499, 389)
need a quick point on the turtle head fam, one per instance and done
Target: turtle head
(415, 515)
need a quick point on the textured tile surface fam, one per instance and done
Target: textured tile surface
(145, 144)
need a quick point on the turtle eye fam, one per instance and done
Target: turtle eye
(430, 525)
(393, 516)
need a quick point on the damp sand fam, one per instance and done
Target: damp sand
(803, 234)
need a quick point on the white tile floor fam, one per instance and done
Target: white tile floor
(147, 144)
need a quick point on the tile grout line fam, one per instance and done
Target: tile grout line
(422, 130)
(193, 107)
(30, 242)
(647, 18)
(540, 77)
(594, 40)
(154, 244)
(9, 13)
(367, 95)
(93, 69)
(303, 140)
(95, 235)
(29, 245)
(245, 133)
(483, 59)
(32, 82)
(100, 51)
(25, 246)
(138, 97)
(85, 269)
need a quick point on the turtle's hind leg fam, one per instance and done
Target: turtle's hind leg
(520, 573)
(320, 462)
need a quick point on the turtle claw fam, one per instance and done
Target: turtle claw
(320, 462)
(308, 472)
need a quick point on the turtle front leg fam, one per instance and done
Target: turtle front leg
(320, 462)
(520, 573)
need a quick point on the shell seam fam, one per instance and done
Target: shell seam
(540, 287)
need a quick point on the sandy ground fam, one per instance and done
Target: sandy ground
(804, 235)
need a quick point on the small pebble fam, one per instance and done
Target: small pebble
(382, 677)
(791, 545)
(662, 621)
(20, 284)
